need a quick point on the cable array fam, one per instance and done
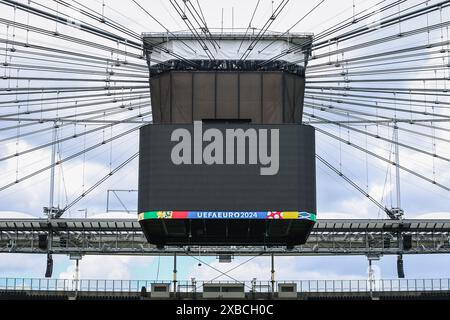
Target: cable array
(376, 82)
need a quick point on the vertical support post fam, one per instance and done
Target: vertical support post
(397, 167)
(52, 171)
(232, 19)
(221, 28)
(175, 273)
(50, 211)
(194, 287)
(272, 274)
(107, 200)
(371, 278)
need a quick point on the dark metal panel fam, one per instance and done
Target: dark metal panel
(182, 97)
(204, 95)
(165, 186)
(227, 95)
(250, 96)
(289, 98)
(299, 98)
(165, 90)
(272, 97)
(156, 99)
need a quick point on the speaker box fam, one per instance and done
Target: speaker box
(407, 242)
(42, 242)
(400, 270)
(386, 243)
(63, 242)
(49, 269)
(143, 291)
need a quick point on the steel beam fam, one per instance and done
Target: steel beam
(124, 237)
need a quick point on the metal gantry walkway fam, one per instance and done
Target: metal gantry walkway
(124, 237)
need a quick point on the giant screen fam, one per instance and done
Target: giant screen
(210, 167)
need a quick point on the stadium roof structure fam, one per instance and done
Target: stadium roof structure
(242, 48)
(374, 237)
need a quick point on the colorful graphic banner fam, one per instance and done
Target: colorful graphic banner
(227, 215)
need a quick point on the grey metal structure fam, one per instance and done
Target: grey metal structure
(366, 70)
(125, 237)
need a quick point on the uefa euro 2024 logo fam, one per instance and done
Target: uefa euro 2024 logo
(235, 140)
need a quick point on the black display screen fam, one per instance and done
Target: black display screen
(227, 167)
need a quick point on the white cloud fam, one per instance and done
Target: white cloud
(36, 189)
(19, 263)
(433, 215)
(286, 268)
(336, 215)
(113, 215)
(106, 267)
(15, 215)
